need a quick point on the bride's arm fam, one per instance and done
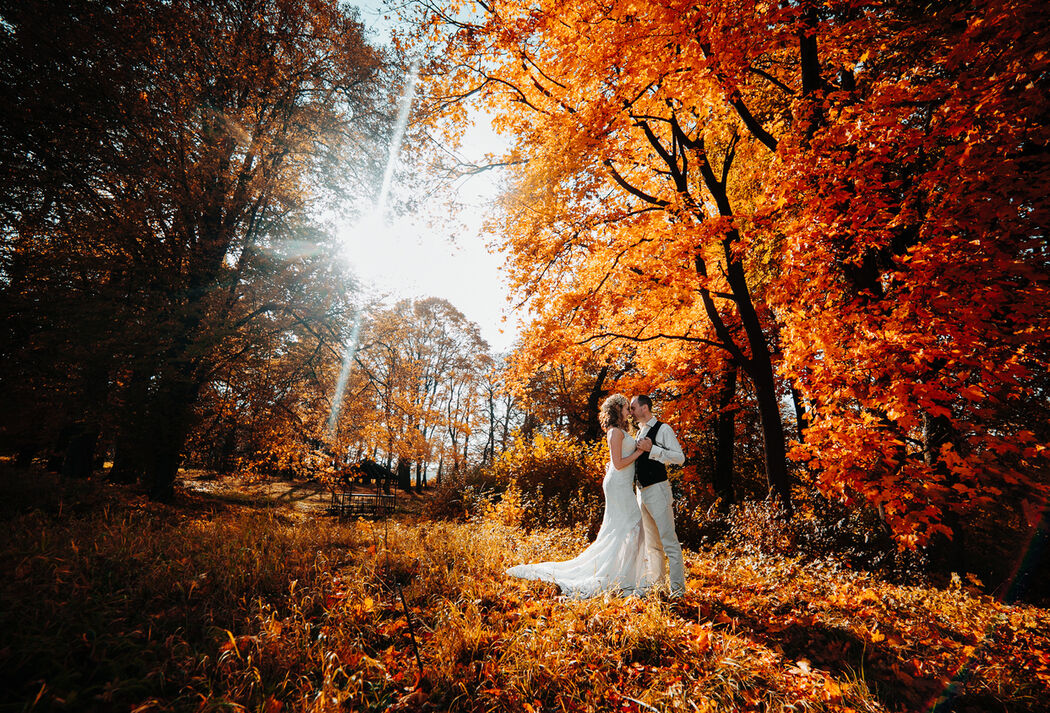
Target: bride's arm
(615, 438)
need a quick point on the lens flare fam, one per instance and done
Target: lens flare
(395, 141)
(344, 373)
(374, 223)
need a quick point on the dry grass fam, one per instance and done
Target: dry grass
(126, 605)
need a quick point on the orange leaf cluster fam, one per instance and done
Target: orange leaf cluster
(842, 199)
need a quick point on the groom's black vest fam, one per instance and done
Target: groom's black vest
(647, 471)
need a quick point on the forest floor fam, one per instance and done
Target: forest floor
(246, 597)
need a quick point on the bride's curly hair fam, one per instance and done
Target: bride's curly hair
(611, 415)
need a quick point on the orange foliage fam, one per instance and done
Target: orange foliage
(914, 214)
(220, 603)
(841, 198)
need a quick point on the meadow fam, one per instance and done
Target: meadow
(112, 602)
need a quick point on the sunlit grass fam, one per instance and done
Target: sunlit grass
(133, 606)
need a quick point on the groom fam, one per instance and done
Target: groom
(654, 493)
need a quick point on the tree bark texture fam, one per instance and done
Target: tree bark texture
(725, 432)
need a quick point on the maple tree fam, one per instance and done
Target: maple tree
(838, 195)
(916, 212)
(624, 204)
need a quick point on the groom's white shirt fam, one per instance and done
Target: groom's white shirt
(665, 446)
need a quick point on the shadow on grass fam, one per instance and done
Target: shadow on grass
(886, 673)
(116, 601)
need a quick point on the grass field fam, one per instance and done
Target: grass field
(239, 603)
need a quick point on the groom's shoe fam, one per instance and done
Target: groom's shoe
(672, 595)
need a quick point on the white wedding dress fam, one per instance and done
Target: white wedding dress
(615, 561)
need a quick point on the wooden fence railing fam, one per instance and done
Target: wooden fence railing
(353, 504)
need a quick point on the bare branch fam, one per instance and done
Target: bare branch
(737, 102)
(543, 74)
(672, 164)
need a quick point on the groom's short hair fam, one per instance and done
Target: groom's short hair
(644, 400)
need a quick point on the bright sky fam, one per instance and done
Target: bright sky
(438, 255)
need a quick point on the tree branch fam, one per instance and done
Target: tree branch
(637, 192)
(636, 338)
(737, 102)
(772, 79)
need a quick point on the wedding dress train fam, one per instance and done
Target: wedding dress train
(615, 561)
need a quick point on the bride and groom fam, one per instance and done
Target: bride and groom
(637, 532)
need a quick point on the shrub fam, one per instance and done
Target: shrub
(464, 494)
(558, 480)
(546, 481)
(820, 529)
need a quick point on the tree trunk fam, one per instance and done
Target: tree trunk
(489, 454)
(229, 444)
(170, 416)
(404, 474)
(760, 369)
(128, 461)
(759, 366)
(130, 439)
(777, 477)
(57, 456)
(162, 469)
(948, 553)
(101, 451)
(80, 452)
(593, 430)
(725, 431)
(454, 437)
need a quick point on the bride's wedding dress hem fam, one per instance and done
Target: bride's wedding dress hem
(615, 562)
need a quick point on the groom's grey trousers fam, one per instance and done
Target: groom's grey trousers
(656, 503)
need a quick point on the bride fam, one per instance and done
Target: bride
(615, 561)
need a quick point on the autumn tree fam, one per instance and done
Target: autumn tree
(914, 279)
(420, 366)
(266, 407)
(843, 197)
(503, 406)
(561, 395)
(150, 152)
(624, 222)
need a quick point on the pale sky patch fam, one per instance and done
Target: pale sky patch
(433, 254)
